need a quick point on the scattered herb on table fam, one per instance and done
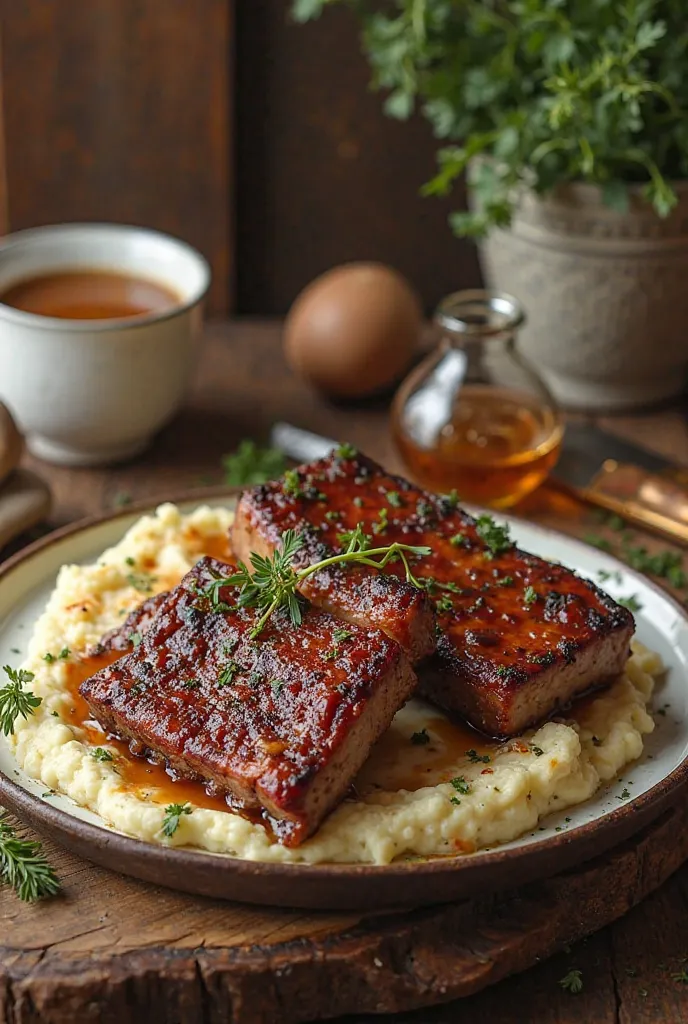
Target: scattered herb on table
(681, 976)
(596, 541)
(121, 499)
(250, 464)
(23, 865)
(572, 982)
(420, 738)
(173, 815)
(15, 701)
(603, 576)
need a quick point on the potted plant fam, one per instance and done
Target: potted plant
(571, 120)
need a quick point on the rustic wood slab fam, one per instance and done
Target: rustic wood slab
(113, 950)
(117, 943)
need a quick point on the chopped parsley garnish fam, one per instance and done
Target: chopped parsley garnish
(251, 464)
(358, 501)
(458, 540)
(345, 451)
(451, 500)
(339, 635)
(383, 521)
(538, 751)
(394, 498)
(173, 815)
(505, 581)
(625, 794)
(572, 982)
(130, 561)
(681, 976)
(190, 684)
(15, 701)
(292, 484)
(63, 655)
(460, 785)
(332, 515)
(495, 537)
(276, 687)
(141, 581)
(530, 595)
(226, 676)
(475, 758)
(101, 754)
(631, 602)
(421, 738)
(603, 575)
(423, 509)
(135, 639)
(444, 604)
(454, 800)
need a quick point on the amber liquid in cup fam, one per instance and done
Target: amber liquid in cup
(497, 447)
(89, 295)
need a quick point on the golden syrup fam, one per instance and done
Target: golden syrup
(497, 447)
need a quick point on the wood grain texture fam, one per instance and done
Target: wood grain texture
(119, 110)
(322, 175)
(116, 943)
(628, 967)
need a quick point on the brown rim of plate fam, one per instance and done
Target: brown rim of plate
(331, 886)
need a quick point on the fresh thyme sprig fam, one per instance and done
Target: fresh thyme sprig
(15, 700)
(274, 581)
(23, 866)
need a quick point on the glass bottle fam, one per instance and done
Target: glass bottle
(475, 415)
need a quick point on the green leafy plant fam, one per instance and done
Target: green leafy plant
(23, 865)
(536, 93)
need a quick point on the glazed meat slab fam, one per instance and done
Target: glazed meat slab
(280, 724)
(519, 637)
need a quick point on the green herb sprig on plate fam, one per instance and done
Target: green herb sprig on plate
(15, 700)
(272, 582)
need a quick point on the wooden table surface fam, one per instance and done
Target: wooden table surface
(242, 387)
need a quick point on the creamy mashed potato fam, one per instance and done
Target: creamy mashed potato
(424, 791)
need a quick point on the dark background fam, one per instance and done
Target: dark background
(255, 139)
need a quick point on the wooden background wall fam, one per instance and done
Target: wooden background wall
(125, 110)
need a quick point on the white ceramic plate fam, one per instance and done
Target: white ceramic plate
(576, 834)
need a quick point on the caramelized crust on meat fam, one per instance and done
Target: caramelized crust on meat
(519, 636)
(357, 594)
(137, 621)
(281, 723)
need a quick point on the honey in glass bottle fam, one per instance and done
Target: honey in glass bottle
(475, 416)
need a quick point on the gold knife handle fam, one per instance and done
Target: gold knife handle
(650, 500)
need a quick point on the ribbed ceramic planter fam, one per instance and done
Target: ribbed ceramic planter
(605, 293)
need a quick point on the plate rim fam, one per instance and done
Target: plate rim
(582, 843)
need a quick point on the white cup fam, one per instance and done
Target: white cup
(89, 392)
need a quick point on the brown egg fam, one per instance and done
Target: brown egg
(353, 330)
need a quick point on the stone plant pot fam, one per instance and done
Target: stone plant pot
(605, 294)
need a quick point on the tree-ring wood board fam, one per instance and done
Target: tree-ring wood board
(110, 944)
